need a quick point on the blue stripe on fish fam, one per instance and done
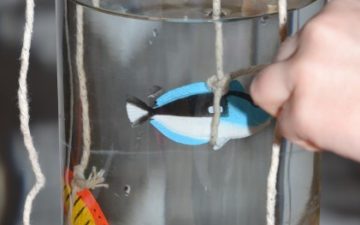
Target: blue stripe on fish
(175, 136)
(192, 89)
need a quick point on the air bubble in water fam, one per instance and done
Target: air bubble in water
(224, 12)
(264, 19)
(150, 42)
(155, 33)
(127, 190)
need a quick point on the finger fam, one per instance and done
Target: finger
(271, 88)
(289, 127)
(287, 48)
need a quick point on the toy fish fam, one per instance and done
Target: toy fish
(85, 210)
(184, 114)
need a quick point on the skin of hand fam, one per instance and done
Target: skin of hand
(313, 86)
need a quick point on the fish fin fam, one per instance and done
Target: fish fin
(155, 92)
(220, 142)
(137, 111)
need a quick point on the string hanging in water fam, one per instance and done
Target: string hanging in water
(219, 84)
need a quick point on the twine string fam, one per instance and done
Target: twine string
(219, 84)
(24, 113)
(96, 178)
(277, 138)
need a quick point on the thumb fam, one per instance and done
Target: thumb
(271, 88)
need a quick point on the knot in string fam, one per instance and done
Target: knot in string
(95, 179)
(220, 86)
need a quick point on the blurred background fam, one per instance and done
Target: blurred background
(340, 177)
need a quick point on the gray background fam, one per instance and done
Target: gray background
(340, 177)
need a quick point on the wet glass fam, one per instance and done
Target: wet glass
(144, 50)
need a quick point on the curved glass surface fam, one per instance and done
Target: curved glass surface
(156, 175)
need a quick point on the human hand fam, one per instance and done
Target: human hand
(313, 87)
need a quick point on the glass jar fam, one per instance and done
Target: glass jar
(132, 94)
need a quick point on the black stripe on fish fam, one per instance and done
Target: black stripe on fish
(241, 95)
(198, 105)
(191, 106)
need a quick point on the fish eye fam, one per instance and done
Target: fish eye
(211, 109)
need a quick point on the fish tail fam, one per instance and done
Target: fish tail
(137, 111)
